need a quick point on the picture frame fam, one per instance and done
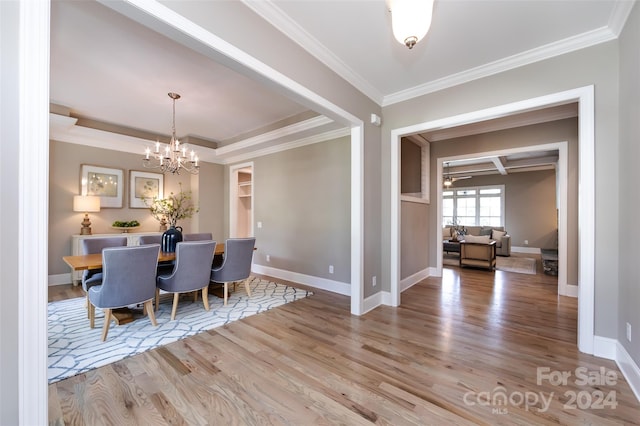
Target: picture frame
(105, 182)
(144, 186)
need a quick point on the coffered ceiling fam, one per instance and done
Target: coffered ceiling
(109, 72)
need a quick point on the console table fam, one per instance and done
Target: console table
(133, 239)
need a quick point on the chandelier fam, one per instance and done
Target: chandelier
(173, 157)
(410, 20)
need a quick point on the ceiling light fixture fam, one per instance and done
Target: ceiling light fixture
(173, 157)
(410, 20)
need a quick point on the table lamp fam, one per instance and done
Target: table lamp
(86, 204)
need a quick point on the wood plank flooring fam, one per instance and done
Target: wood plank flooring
(445, 356)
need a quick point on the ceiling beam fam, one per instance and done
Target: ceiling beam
(497, 161)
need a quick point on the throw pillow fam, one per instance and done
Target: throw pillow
(485, 231)
(446, 232)
(497, 235)
(484, 239)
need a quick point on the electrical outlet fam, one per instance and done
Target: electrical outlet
(259, 224)
(526, 242)
(628, 332)
(331, 269)
(268, 257)
(373, 281)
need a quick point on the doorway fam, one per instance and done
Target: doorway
(584, 96)
(241, 184)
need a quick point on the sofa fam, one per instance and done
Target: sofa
(495, 233)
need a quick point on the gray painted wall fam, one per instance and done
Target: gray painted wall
(65, 160)
(629, 175)
(222, 18)
(301, 198)
(9, 213)
(598, 66)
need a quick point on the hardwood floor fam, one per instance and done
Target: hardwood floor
(445, 356)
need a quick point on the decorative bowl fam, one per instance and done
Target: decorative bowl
(126, 229)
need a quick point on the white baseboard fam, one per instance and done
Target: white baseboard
(530, 250)
(604, 347)
(60, 279)
(570, 290)
(311, 281)
(629, 369)
(375, 300)
(414, 279)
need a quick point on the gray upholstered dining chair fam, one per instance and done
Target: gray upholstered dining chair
(238, 253)
(150, 239)
(201, 236)
(163, 267)
(129, 278)
(91, 277)
(190, 273)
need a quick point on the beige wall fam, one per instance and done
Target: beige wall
(414, 239)
(597, 66)
(304, 206)
(530, 206)
(628, 234)
(557, 131)
(411, 169)
(65, 160)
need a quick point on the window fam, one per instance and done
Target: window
(474, 206)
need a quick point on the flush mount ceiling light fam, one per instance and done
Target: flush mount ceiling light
(173, 157)
(410, 20)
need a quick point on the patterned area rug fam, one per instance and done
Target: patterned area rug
(520, 265)
(75, 348)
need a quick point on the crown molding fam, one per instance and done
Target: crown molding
(283, 23)
(619, 15)
(547, 51)
(65, 129)
(321, 137)
(274, 134)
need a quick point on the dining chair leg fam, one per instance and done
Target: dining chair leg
(174, 308)
(157, 298)
(247, 287)
(152, 316)
(92, 315)
(205, 297)
(87, 304)
(226, 293)
(105, 327)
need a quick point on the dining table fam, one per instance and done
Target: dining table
(94, 261)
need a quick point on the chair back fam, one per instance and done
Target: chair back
(238, 254)
(192, 268)
(95, 245)
(129, 276)
(198, 237)
(150, 239)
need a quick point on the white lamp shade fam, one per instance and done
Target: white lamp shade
(86, 203)
(410, 18)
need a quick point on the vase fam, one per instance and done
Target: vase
(170, 238)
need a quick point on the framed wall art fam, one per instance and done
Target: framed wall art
(144, 186)
(105, 182)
